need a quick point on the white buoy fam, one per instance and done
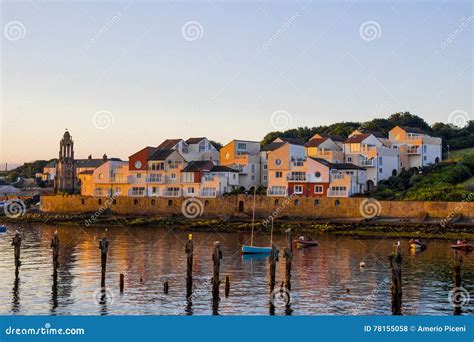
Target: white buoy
(362, 264)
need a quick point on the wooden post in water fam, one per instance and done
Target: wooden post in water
(17, 246)
(216, 259)
(273, 259)
(104, 248)
(456, 295)
(227, 286)
(288, 253)
(55, 246)
(166, 287)
(122, 282)
(396, 279)
(189, 249)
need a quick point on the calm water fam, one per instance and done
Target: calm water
(320, 277)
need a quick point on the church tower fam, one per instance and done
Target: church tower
(65, 172)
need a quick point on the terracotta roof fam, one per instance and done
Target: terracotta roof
(274, 145)
(194, 140)
(315, 142)
(338, 166)
(412, 129)
(168, 143)
(357, 138)
(221, 168)
(198, 165)
(161, 154)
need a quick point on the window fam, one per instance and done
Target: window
(317, 201)
(135, 201)
(173, 176)
(241, 146)
(153, 202)
(114, 201)
(265, 166)
(170, 203)
(277, 202)
(82, 201)
(337, 203)
(278, 161)
(380, 170)
(424, 158)
(424, 148)
(349, 159)
(264, 178)
(190, 190)
(206, 203)
(233, 176)
(317, 174)
(253, 177)
(297, 202)
(318, 189)
(253, 168)
(154, 189)
(139, 175)
(298, 189)
(278, 174)
(380, 161)
(100, 201)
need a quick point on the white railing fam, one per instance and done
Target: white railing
(136, 193)
(208, 193)
(171, 193)
(337, 176)
(155, 179)
(367, 163)
(276, 192)
(338, 193)
(413, 150)
(296, 177)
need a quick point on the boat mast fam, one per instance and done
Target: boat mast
(253, 214)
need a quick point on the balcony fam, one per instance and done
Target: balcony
(242, 159)
(102, 192)
(208, 193)
(118, 179)
(136, 193)
(171, 193)
(338, 193)
(296, 177)
(155, 179)
(276, 191)
(367, 163)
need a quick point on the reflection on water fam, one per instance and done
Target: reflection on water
(325, 279)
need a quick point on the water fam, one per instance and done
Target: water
(325, 279)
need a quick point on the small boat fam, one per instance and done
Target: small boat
(305, 241)
(462, 246)
(251, 249)
(3, 229)
(417, 245)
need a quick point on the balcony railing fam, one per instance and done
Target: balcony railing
(338, 193)
(367, 163)
(154, 179)
(296, 177)
(118, 179)
(136, 193)
(208, 193)
(102, 192)
(171, 193)
(276, 192)
(324, 153)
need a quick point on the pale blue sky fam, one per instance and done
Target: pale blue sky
(250, 60)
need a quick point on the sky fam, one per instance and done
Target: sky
(124, 75)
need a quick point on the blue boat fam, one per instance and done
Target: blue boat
(3, 229)
(255, 250)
